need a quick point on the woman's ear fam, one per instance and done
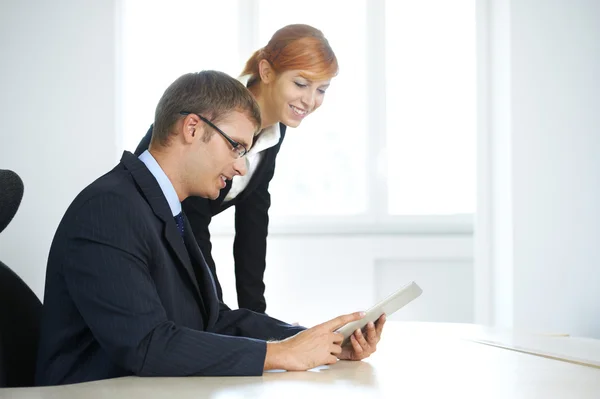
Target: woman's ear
(266, 72)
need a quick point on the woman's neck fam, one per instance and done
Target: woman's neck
(268, 118)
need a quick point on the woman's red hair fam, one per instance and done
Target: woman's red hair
(296, 47)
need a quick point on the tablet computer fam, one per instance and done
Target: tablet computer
(388, 306)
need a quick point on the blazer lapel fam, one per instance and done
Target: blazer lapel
(257, 177)
(155, 197)
(205, 279)
(265, 163)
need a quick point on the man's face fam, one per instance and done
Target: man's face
(217, 161)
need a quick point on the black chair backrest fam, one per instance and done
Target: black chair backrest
(11, 193)
(20, 308)
(20, 315)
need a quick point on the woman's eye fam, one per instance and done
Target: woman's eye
(322, 91)
(300, 84)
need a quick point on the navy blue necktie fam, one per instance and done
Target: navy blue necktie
(179, 221)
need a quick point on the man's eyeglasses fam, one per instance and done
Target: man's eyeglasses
(238, 148)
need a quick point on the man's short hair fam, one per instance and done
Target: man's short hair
(212, 94)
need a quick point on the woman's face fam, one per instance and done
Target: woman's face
(294, 96)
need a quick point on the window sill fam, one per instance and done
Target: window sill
(353, 225)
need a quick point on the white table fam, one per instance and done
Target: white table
(414, 360)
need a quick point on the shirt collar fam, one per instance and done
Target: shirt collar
(163, 181)
(267, 138)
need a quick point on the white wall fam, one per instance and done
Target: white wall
(57, 124)
(312, 278)
(547, 218)
(556, 172)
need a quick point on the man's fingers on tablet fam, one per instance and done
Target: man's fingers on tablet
(342, 320)
(371, 332)
(358, 350)
(361, 338)
(338, 338)
(335, 350)
(331, 360)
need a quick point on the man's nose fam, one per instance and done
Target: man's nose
(240, 166)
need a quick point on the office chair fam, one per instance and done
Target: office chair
(20, 308)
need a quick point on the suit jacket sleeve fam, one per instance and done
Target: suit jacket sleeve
(246, 323)
(250, 245)
(107, 274)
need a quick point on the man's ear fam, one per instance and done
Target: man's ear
(191, 127)
(266, 72)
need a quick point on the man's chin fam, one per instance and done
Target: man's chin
(212, 195)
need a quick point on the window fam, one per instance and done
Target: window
(395, 136)
(430, 70)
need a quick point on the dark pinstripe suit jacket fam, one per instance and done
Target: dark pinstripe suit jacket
(125, 294)
(251, 227)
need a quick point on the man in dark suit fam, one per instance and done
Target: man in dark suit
(251, 225)
(127, 289)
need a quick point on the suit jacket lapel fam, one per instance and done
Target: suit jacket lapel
(205, 278)
(155, 197)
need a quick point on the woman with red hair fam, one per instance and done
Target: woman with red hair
(289, 78)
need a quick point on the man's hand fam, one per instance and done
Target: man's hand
(363, 345)
(310, 348)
